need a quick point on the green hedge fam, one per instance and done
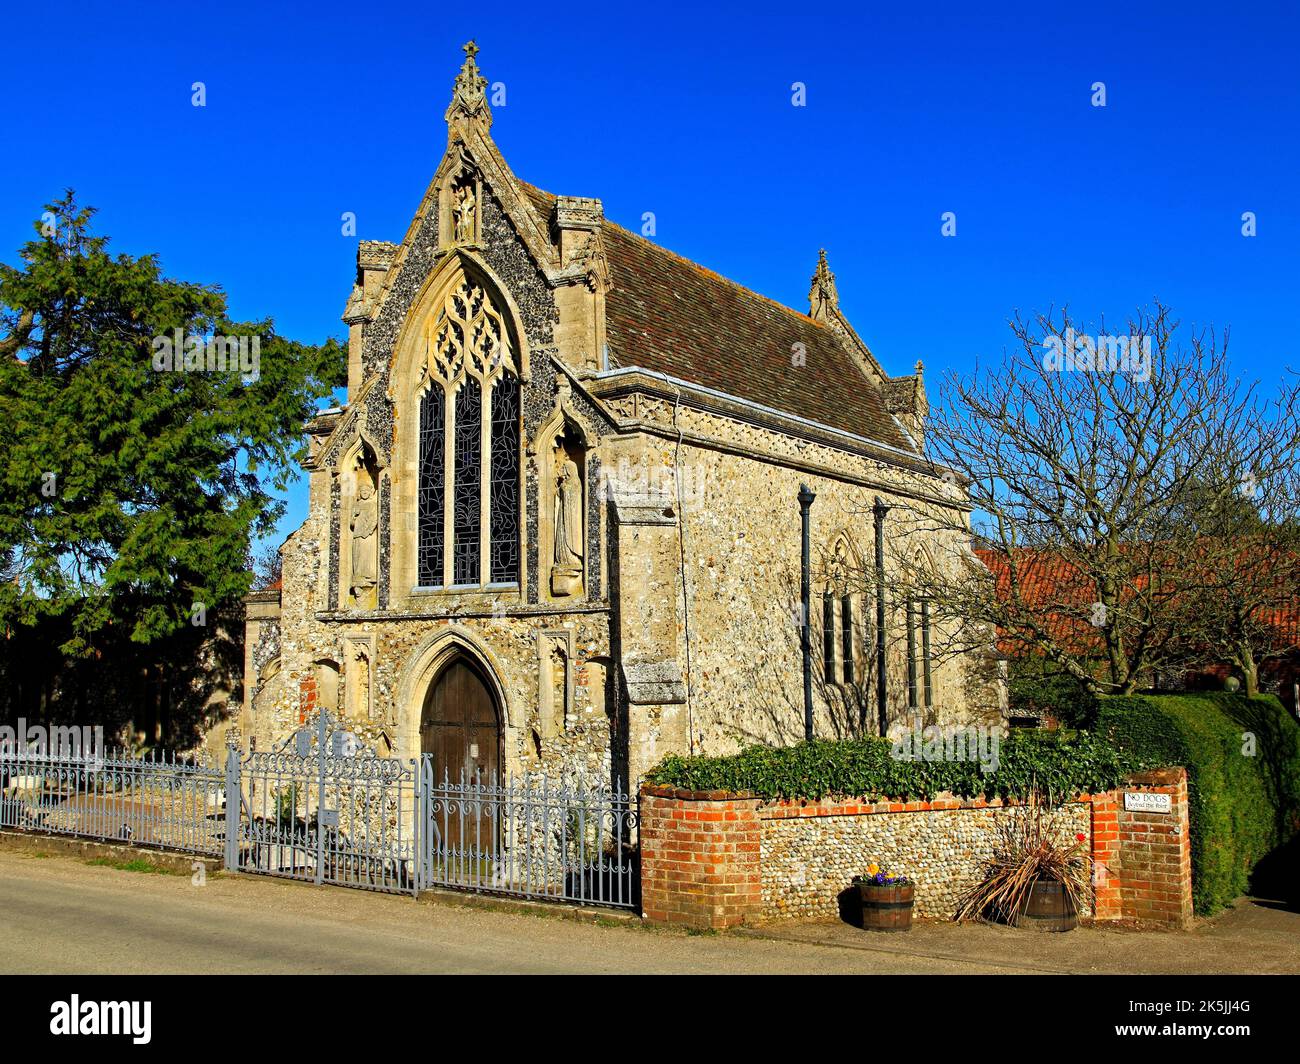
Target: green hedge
(1241, 807)
(1060, 764)
(1036, 688)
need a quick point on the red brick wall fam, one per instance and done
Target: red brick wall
(307, 697)
(1142, 862)
(699, 858)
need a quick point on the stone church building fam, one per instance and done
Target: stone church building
(556, 527)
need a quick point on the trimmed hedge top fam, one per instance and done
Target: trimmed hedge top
(1243, 778)
(1060, 764)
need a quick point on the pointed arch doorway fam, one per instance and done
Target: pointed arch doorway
(460, 730)
(460, 726)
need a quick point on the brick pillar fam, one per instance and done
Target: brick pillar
(699, 858)
(1143, 860)
(1107, 904)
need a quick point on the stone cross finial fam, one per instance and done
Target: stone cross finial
(823, 295)
(469, 96)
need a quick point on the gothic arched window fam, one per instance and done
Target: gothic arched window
(919, 657)
(468, 525)
(839, 646)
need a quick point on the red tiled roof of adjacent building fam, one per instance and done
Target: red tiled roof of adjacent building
(1059, 593)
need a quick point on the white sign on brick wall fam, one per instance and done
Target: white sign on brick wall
(1142, 802)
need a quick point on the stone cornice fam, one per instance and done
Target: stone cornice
(449, 613)
(637, 400)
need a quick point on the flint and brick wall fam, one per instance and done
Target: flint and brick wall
(812, 850)
(715, 860)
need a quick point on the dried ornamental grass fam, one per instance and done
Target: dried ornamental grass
(1026, 848)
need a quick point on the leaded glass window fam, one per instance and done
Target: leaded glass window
(468, 472)
(828, 636)
(468, 530)
(911, 654)
(920, 690)
(846, 636)
(431, 487)
(503, 541)
(925, 651)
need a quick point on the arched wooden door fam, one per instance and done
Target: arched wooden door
(461, 729)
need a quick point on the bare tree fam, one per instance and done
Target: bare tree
(267, 566)
(1249, 550)
(1090, 461)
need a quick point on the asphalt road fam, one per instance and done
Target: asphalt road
(61, 915)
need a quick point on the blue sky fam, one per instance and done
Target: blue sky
(685, 111)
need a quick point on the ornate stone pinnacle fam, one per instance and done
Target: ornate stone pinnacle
(469, 96)
(823, 295)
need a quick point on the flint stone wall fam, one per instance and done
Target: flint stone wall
(811, 852)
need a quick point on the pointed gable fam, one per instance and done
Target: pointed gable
(665, 314)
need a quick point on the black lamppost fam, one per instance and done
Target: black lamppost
(806, 498)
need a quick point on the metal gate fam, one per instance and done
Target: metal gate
(324, 810)
(529, 838)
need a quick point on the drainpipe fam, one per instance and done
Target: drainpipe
(806, 498)
(882, 701)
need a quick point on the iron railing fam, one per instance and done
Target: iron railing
(325, 812)
(349, 821)
(163, 800)
(529, 838)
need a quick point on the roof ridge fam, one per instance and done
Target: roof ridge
(690, 262)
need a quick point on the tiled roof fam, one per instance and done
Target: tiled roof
(668, 315)
(1052, 589)
(1059, 593)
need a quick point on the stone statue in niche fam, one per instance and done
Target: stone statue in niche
(464, 213)
(566, 567)
(364, 526)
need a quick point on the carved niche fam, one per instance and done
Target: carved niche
(568, 544)
(560, 451)
(360, 553)
(555, 686)
(462, 201)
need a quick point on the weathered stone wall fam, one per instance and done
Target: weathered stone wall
(500, 628)
(506, 643)
(740, 531)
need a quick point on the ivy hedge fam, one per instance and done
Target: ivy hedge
(1060, 764)
(1243, 764)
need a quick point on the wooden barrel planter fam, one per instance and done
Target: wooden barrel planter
(1048, 908)
(886, 908)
